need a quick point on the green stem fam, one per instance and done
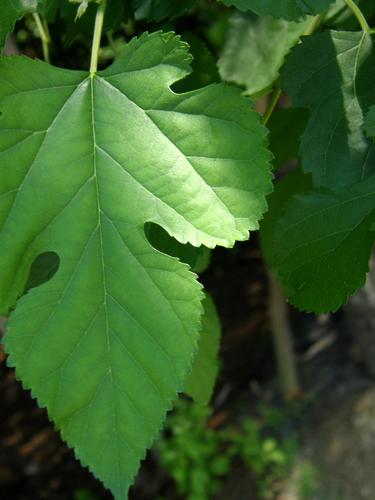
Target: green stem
(97, 37)
(359, 15)
(272, 105)
(46, 30)
(313, 26)
(44, 35)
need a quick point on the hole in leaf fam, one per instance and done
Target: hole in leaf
(42, 270)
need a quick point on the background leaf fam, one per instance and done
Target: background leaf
(285, 190)
(286, 127)
(201, 381)
(10, 12)
(255, 49)
(291, 10)
(49, 9)
(330, 74)
(323, 244)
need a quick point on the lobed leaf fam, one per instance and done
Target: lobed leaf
(331, 74)
(86, 161)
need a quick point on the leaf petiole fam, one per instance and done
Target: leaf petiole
(314, 25)
(273, 103)
(359, 15)
(44, 35)
(97, 37)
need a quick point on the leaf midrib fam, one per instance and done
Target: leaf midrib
(105, 293)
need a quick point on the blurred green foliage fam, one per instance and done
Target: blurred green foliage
(84, 495)
(194, 454)
(199, 457)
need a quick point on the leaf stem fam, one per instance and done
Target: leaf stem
(44, 35)
(272, 105)
(97, 37)
(313, 26)
(359, 15)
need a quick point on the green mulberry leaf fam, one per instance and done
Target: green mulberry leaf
(323, 244)
(10, 12)
(330, 73)
(255, 49)
(291, 10)
(85, 162)
(201, 381)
